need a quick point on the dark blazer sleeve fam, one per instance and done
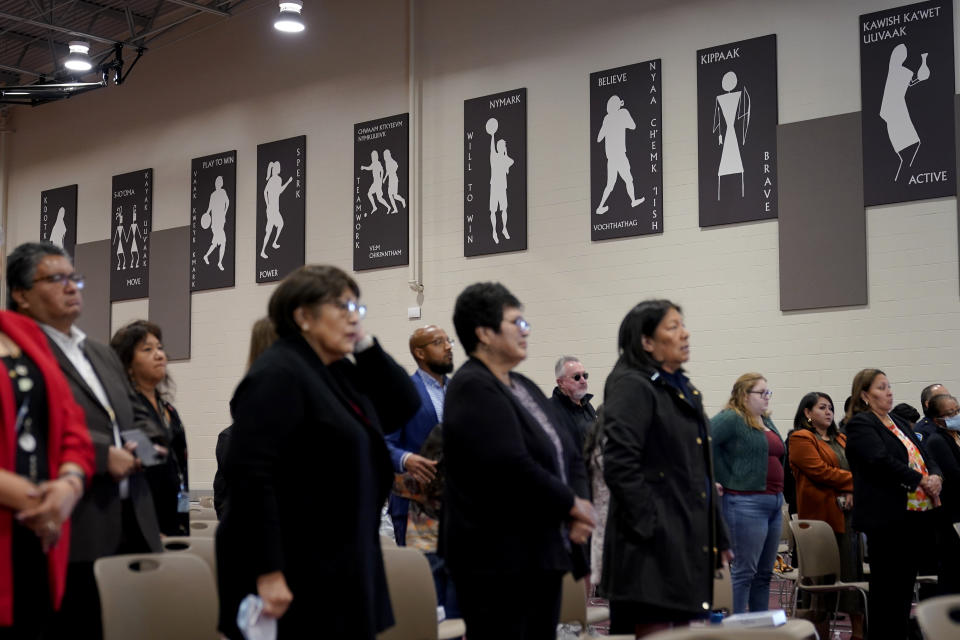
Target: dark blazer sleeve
(865, 442)
(627, 415)
(267, 407)
(388, 386)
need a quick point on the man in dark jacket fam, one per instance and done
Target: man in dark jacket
(571, 399)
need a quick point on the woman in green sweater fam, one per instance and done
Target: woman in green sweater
(748, 460)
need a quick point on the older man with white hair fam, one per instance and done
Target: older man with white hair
(571, 399)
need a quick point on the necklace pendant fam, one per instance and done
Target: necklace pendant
(27, 442)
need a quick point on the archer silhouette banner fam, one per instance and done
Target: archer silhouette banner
(906, 93)
(213, 218)
(58, 217)
(626, 157)
(495, 173)
(130, 226)
(737, 131)
(381, 176)
(281, 207)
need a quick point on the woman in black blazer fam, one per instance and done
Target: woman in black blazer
(943, 445)
(664, 535)
(308, 468)
(895, 491)
(509, 513)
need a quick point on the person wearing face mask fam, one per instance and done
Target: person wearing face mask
(749, 454)
(896, 485)
(664, 535)
(824, 484)
(943, 445)
(307, 467)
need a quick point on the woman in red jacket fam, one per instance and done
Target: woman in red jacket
(817, 452)
(45, 458)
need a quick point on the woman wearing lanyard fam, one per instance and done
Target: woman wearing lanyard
(895, 489)
(140, 348)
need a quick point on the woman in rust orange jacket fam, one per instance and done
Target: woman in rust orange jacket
(817, 453)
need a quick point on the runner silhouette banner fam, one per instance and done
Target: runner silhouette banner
(281, 207)
(381, 178)
(737, 131)
(626, 154)
(131, 221)
(495, 173)
(58, 217)
(907, 94)
(213, 221)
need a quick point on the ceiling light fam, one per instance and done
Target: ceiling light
(79, 58)
(290, 20)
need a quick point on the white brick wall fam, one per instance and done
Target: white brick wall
(239, 84)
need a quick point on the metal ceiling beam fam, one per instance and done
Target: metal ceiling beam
(200, 7)
(53, 27)
(19, 70)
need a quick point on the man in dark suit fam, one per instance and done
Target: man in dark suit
(433, 351)
(116, 515)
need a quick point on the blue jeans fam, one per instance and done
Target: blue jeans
(754, 522)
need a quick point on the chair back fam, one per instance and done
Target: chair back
(939, 617)
(202, 513)
(786, 533)
(412, 595)
(200, 546)
(817, 552)
(794, 630)
(203, 528)
(722, 590)
(573, 602)
(156, 597)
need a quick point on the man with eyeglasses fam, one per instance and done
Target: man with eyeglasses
(571, 399)
(116, 515)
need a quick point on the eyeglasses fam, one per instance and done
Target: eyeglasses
(351, 306)
(522, 324)
(576, 377)
(438, 342)
(62, 279)
(766, 393)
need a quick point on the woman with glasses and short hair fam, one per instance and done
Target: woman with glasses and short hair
(308, 468)
(510, 515)
(749, 455)
(943, 445)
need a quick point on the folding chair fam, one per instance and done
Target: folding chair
(414, 599)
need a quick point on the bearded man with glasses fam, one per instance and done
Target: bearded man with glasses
(571, 399)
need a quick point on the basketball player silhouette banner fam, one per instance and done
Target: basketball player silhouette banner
(626, 157)
(907, 95)
(737, 131)
(58, 217)
(281, 207)
(213, 221)
(381, 178)
(131, 222)
(495, 173)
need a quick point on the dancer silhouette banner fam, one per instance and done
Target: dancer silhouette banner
(626, 157)
(58, 217)
(737, 131)
(906, 92)
(213, 217)
(381, 177)
(131, 221)
(495, 173)
(281, 207)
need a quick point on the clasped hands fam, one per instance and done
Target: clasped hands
(584, 520)
(55, 501)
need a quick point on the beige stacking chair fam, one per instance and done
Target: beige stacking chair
(202, 513)
(200, 546)
(793, 630)
(203, 528)
(574, 609)
(156, 597)
(414, 599)
(939, 617)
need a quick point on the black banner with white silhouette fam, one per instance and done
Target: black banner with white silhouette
(213, 221)
(130, 227)
(58, 217)
(906, 93)
(737, 131)
(281, 207)
(495, 173)
(381, 178)
(626, 157)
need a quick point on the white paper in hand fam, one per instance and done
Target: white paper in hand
(251, 621)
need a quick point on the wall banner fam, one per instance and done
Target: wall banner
(737, 131)
(58, 217)
(281, 207)
(130, 226)
(213, 221)
(626, 156)
(906, 93)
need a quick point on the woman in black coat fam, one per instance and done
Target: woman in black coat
(895, 491)
(509, 512)
(308, 468)
(664, 531)
(943, 445)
